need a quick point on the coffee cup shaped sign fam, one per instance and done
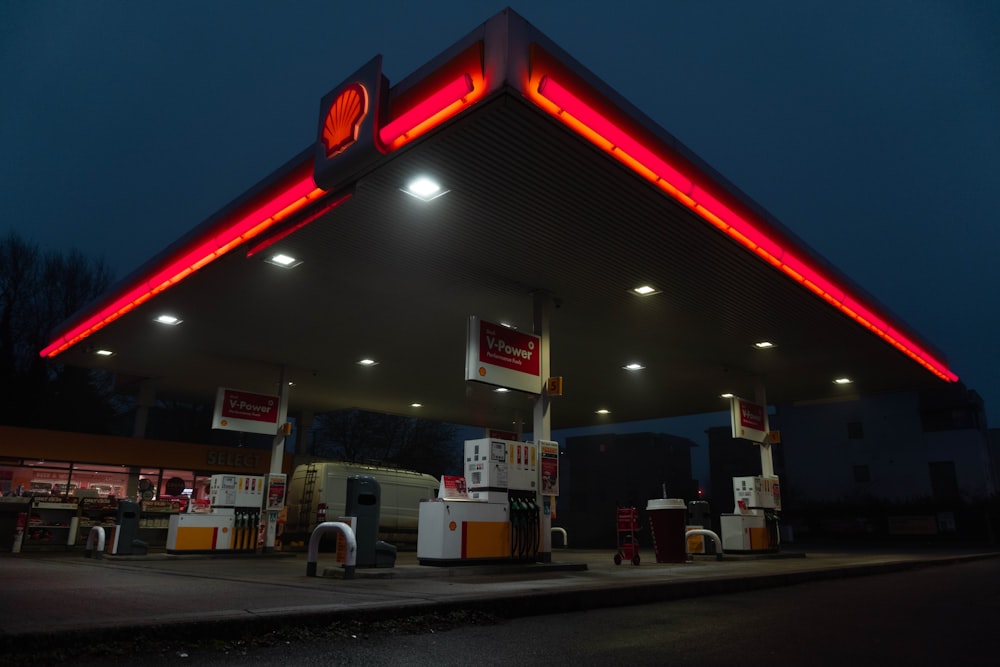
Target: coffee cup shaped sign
(174, 486)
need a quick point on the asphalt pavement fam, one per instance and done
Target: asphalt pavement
(66, 597)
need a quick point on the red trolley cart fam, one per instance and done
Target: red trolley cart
(628, 544)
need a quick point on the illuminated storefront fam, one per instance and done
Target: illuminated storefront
(52, 463)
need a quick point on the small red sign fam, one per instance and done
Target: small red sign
(244, 405)
(454, 487)
(507, 348)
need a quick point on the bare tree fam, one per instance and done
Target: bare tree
(371, 437)
(38, 291)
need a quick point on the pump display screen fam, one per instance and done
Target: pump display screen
(498, 451)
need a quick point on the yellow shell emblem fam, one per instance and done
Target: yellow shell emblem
(343, 120)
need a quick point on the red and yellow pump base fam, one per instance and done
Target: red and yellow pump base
(462, 531)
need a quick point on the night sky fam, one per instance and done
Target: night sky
(870, 129)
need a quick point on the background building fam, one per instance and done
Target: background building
(912, 463)
(599, 473)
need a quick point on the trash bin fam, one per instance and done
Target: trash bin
(667, 518)
(364, 501)
(126, 527)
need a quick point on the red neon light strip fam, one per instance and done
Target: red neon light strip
(318, 212)
(274, 208)
(433, 110)
(427, 114)
(577, 114)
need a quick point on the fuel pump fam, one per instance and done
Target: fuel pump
(498, 516)
(232, 523)
(753, 525)
(244, 501)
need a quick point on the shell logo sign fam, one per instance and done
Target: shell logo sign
(344, 118)
(347, 132)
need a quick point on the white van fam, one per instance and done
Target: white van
(319, 490)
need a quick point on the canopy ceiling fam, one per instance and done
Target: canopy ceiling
(535, 210)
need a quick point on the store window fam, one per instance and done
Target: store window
(90, 480)
(40, 478)
(184, 484)
(149, 482)
(98, 481)
(176, 484)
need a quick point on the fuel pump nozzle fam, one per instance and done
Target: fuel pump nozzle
(534, 527)
(515, 525)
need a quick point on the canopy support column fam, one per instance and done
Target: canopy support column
(766, 460)
(542, 427)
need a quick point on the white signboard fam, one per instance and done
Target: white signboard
(502, 356)
(242, 411)
(749, 419)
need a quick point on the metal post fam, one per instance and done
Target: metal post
(766, 460)
(542, 427)
(146, 399)
(277, 455)
(278, 446)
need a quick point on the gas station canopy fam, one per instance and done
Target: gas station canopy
(553, 190)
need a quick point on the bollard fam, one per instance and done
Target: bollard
(317, 535)
(96, 534)
(708, 533)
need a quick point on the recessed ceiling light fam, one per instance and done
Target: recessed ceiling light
(104, 353)
(645, 290)
(283, 260)
(416, 405)
(603, 411)
(501, 390)
(367, 362)
(764, 345)
(843, 381)
(633, 367)
(168, 319)
(425, 189)
(726, 395)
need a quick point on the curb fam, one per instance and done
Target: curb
(503, 606)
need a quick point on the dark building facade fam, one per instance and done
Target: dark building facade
(909, 464)
(604, 472)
